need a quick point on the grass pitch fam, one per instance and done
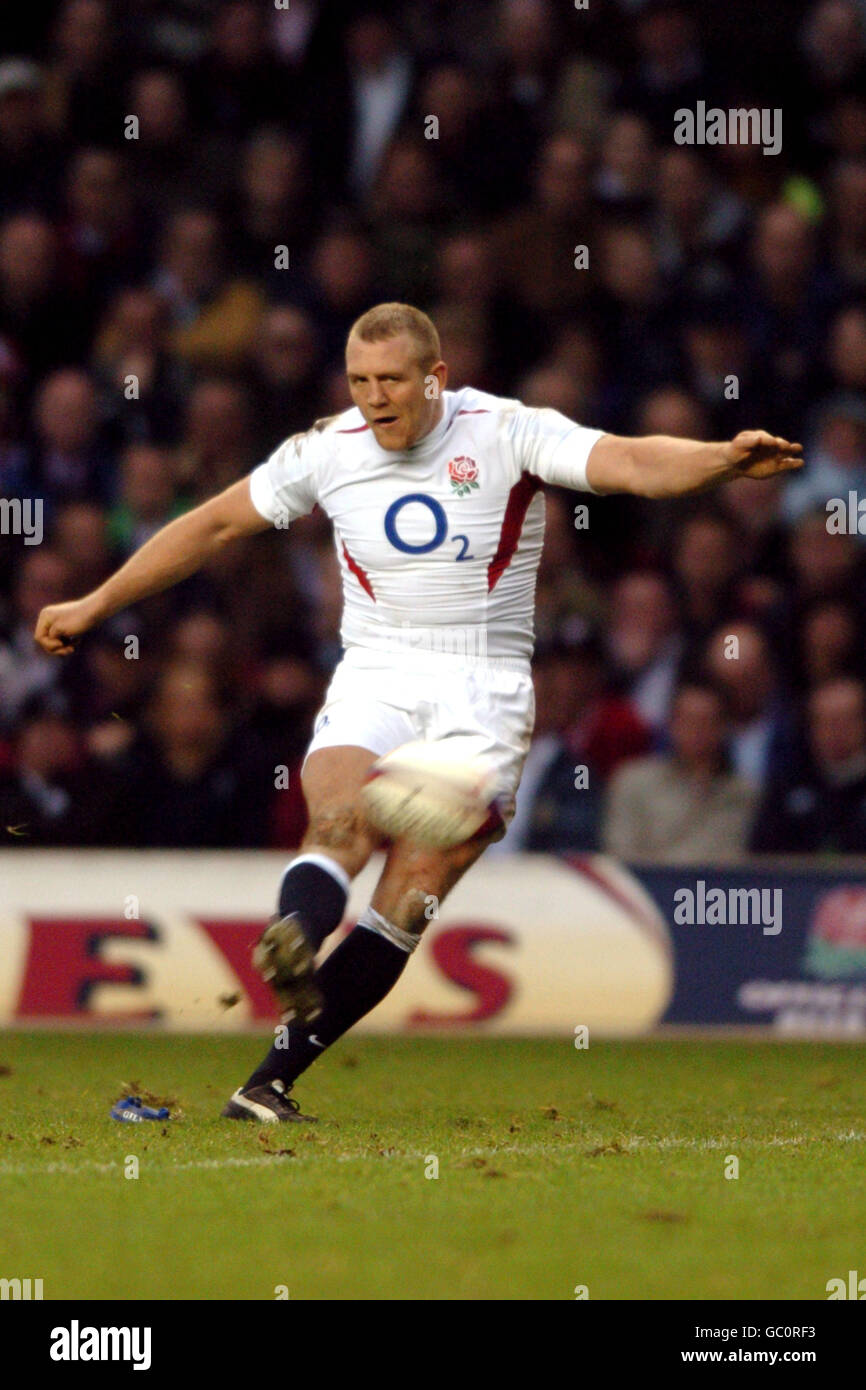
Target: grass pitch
(556, 1168)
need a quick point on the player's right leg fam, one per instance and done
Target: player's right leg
(332, 779)
(312, 899)
(315, 885)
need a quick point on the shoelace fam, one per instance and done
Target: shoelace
(284, 1096)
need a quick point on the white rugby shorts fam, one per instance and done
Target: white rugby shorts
(379, 701)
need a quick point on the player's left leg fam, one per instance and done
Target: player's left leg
(415, 881)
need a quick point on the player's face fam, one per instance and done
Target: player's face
(398, 399)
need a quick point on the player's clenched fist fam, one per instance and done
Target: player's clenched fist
(757, 454)
(60, 625)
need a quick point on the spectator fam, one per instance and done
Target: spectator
(843, 129)
(604, 729)
(563, 592)
(380, 82)
(526, 40)
(169, 157)
(719, 366)
(787, 307)
(215, 316)
(406, 207)
(705, 563)
(28, 157)
(41, 325)
(80, 536)
(285, 376)
(289, 690)
(203, 637)
(833, 47)
(99, 244)
(217, 446)
(551, 384)
(644, 643)
(192, 781)
(755, 510)
(671, 70)
(41, 577)
(272, 206)
(69, 462)
(13, 456)
(831, 642)
(559, 799)
(627, 166)
(635, 309)
(343, 275)
(698, 221)
(578, 348)
(739, 660)
(847, 348)
(83, 92)
(108, 682)
(147, 498)
(848, 214)
(819, 805)
(142, 386)
(824, 565)
(237, 86)
(468, 280)
(52, 795)
(559, 214)
(469, 151)
(837, 459)
(465, 346)
(686, 807)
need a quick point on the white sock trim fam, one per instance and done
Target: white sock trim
(323, 862)
(374, 921)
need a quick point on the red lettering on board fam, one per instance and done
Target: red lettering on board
(235, 940)
(452, 951)
(65, 964)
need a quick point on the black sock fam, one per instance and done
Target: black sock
(316, 894)
(354, 979)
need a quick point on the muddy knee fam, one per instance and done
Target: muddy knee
(342, 832)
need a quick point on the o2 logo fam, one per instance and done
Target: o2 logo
(440, 521)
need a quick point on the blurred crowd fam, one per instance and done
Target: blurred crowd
(196, 200)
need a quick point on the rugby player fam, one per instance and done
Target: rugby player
(436, 500)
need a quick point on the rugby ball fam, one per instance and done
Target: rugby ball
(437, 792)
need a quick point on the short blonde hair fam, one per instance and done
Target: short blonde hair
(389, 320)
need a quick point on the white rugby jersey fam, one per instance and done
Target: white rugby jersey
(438, 544)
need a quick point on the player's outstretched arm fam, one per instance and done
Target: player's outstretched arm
(175, 552)
(659, 465)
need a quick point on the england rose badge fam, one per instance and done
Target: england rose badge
(463, 472)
